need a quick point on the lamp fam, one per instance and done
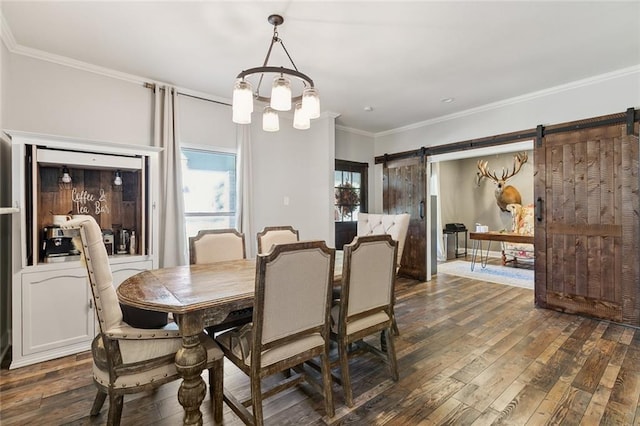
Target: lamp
(281, 98)
(64, 181)
(117, 180)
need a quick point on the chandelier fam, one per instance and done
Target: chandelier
(306, 105)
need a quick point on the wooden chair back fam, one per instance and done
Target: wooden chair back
(290, 324)
(216, 245)
(271, 235)
(366, 302)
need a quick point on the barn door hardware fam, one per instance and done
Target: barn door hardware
(539, 135)
(421, 209)
(630, 120)
(539, 209)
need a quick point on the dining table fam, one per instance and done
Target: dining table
(197, 296)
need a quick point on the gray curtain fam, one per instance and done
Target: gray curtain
(173, 239)
(244, 215)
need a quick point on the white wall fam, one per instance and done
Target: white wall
(359, 147)
(44, 97)
(612, 93)
(295, 167)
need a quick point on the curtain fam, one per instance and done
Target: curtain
(244, 216)
(173, 239)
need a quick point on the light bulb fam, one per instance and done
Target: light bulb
(66, 177)
(270, 121)
(311, 102)
(300, 119)
(281, 94)
(242, 102)
(118, 179)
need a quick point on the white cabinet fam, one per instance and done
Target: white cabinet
(56, 315)
(56, 311)
(51, 302)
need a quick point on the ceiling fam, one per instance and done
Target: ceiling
(399, 58)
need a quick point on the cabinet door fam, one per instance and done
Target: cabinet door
(56, 310)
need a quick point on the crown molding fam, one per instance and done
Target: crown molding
(355, 131)
(517, 99)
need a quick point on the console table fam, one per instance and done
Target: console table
(479, 237)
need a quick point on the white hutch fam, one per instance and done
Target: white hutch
(52, 308)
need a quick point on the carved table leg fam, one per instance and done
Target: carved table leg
(190, 361)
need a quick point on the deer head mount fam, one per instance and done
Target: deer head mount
(505, 194)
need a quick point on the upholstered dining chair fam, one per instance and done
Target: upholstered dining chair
(216, 245)
(290, 324)
(396, 225)
(127, 359)
(219, 245)
(271, 235)
(366, 303)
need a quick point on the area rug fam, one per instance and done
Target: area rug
(516, 277)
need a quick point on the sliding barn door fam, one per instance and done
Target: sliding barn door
(587, 224)
(405, 191)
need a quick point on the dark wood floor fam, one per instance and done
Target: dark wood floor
(469, 352)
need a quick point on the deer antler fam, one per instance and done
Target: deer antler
(518, 161)
(482, 166)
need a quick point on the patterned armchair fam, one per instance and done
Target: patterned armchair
(522, 223)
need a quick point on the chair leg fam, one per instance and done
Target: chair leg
(344, 368)
(216, 390)
(391, 354)
(326, 382)
(115, 409)
(98, 402)
(256, 399)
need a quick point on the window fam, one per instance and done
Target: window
(209, 189)
(350, 190)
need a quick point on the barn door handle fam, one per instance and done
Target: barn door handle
(421, 209)
(539, 209)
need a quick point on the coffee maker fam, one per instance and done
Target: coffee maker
(122, 242)
(57, 242)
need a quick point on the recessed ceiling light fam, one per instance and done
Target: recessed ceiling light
(447, 100)
(368, 108)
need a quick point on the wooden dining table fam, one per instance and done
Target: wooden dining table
(198, 296)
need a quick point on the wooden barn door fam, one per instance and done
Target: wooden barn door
(405, 191)
(587, 225)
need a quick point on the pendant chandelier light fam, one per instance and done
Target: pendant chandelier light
(306, 105)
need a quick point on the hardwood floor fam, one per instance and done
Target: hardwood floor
(469, 352)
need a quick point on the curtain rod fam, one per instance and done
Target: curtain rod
(153, 87)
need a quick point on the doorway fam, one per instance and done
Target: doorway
(350, 199)
(460, 198)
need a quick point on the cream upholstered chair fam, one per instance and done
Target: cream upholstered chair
(216, 245)
(127, 359)
(396, 225)
(290, 324)
(271, 235)
(219, 245)
(522, 218)
(366, 302)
